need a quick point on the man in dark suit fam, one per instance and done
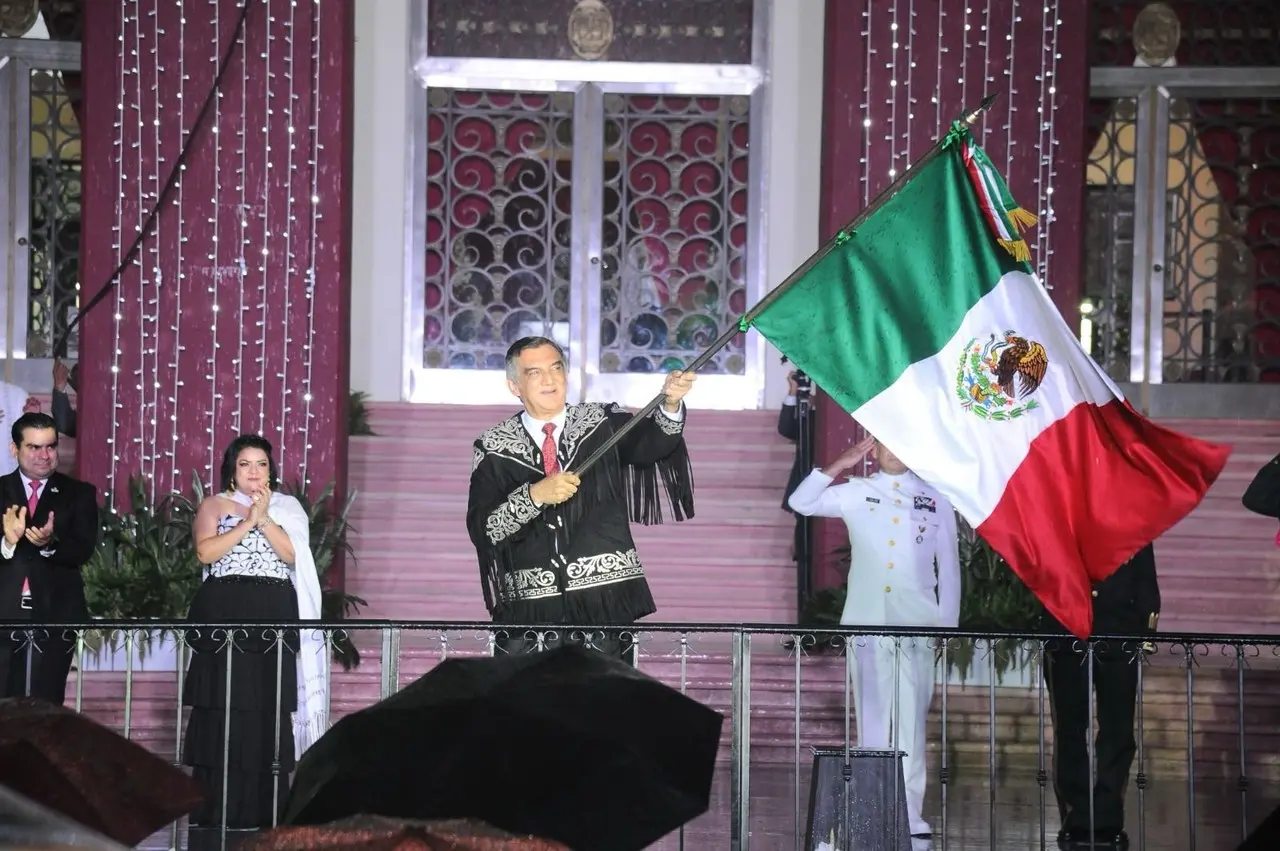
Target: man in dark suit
(1127, 603)
(50, 531)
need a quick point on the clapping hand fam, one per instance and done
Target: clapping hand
(15, 524)
(258, 509)
(43, 535)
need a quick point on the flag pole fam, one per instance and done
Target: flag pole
(968, 118)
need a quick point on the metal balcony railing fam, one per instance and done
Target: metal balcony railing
(1206, 747)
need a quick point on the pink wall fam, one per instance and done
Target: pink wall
(190, 350)
(1012, 48)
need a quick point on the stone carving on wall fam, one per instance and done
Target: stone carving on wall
(17, 17)
(590, 29)
(1156, 33)
(716, 32)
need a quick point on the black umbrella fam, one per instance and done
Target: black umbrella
(568, 744)
(70, 764)
(378, 833)
(24, 824)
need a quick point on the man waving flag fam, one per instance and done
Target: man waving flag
(929, 326)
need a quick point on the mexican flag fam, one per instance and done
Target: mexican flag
(929, 326)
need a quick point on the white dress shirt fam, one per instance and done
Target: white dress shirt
(6, 549)
(900, 530)
(534, 427)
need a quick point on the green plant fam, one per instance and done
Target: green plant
(992, 599)
(145, 564)
(358, 415)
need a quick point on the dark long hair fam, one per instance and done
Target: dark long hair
(246, 441)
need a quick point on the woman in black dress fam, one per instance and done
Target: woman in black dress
(255, 544)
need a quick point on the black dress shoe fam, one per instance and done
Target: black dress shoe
(1112, 840)
(1099, 840)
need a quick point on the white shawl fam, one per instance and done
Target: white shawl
(311, 719)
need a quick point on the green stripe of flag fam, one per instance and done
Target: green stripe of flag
(894, 293)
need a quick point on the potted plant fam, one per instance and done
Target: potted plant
(143, 568)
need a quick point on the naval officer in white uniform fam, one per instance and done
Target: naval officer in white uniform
(902, 534)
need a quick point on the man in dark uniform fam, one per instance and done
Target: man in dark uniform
(1127, 603)
(1263, 494)
(790, 424)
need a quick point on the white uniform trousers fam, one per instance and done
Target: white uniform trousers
(876, 663)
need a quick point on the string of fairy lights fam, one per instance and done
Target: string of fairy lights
(290, 99)
(313, 168)
(1011, 88)
(175, 327)
(215, 269)
(117, 228)
(1049, 157)
(265, 215)
(889, 86)
(150, 336)
(888, 93)
(139, 300)
(149, 373)
(242, 237)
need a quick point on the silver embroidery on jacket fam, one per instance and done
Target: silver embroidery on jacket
(580, 422)
(585, 572)
(532, 584)
(603, 569)
(509, 438)
(669, 426)
(508, 518)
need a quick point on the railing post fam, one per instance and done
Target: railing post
(390, 662)
(740, 754)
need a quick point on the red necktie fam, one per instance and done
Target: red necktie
(550, 464)
(32, 502)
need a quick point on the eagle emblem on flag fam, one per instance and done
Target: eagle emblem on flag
(997, 377)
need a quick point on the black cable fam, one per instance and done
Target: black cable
(196, 128)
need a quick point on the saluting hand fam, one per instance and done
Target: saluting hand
(555, 489)
(851, 456)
